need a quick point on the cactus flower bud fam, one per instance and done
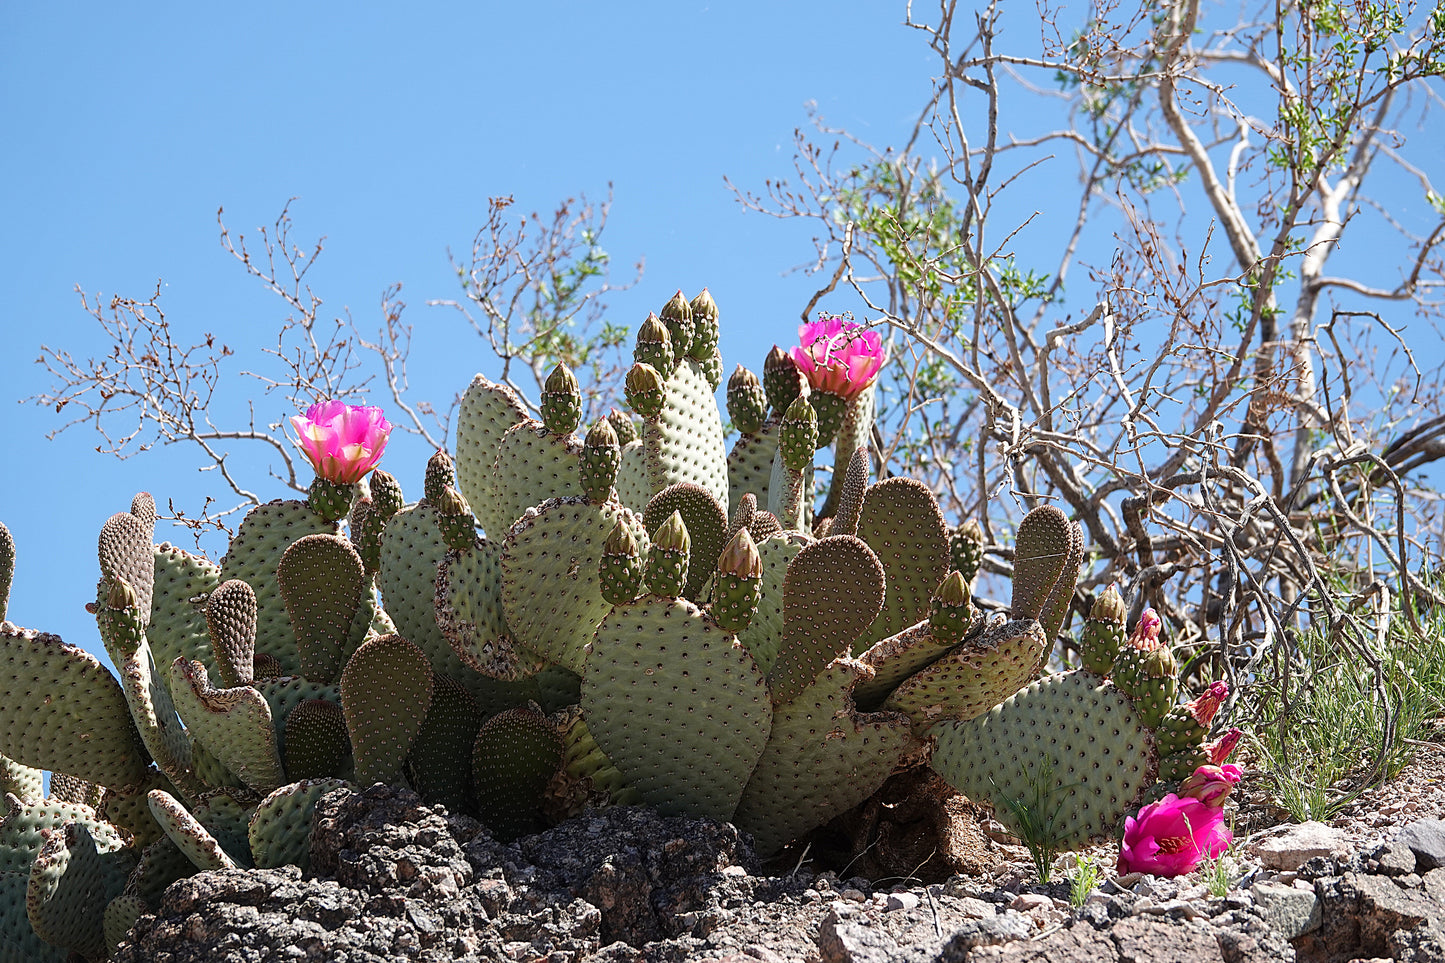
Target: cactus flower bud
(1146, 632)
(747, 402)
(654, 346)
(439, 474)
(1207, 704)
(667, 563)
(561, 401)
(1219, 750)
(782, 380)
(740, 557)
(672, 534)
(121, 594)
(626, 430)
(677, 315)
(601, 457)
(386, 493)
(965, 549)
(451, 502)
(798, 435)
(704, 319)
(454, 517)
(739, 584)
(644, 390)
(951, 614)
(1210, 784)
(621, 569)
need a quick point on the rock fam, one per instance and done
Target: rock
(1396, 859)
(1426, 839)
(1074, 944)
(901, 901)
(1292, 847)
(975, 937)
(1024, 902)
(844, 940)
(1370, 916)
(1291, 912)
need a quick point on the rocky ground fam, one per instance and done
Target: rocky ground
(392, 879)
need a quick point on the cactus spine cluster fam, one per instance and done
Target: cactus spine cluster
(637, 615)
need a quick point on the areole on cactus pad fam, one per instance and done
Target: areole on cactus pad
(640, 615)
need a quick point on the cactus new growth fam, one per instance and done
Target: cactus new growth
(638, 617)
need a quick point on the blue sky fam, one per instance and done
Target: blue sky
(129, 126)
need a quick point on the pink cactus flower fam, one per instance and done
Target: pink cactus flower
(1171, 836)
(1207, 704)
(343, 442)
(1146, 632)
(838, 356)
(1211, 784)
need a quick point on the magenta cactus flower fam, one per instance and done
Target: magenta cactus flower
(1208, 702)
(838, 356)
(1171, 836)
(1146, 632)
(343, 442)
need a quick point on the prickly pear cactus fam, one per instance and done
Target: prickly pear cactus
(1067, 751)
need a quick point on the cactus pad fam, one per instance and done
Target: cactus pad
(280, 830)
(25, 825)
(224, 813)
(64, 711)
(178, 624)
(233, 724)
(411, 552)
(469, 613)
(764, 633)
(677, 705)
(896, 658)
(706, 524)
(822, 759)
(533, 465)
(850, 495)
(974, 677)
(125, 552)
(487, 411)
(901, 522)
(187, 832)
(685, 442)
(1043, 545)
(316, 743)
(321, 579)
(71, 876)
(551, 583)
(7, 567)
(832, 593)
(1070, 744)
(750, 464)
(514, 757)
(439, 765)
(386, 688)
(231, 621)
(1056, 607)
(263, 537)
(28, 784)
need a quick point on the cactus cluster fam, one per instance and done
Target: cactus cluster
(637, 615)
